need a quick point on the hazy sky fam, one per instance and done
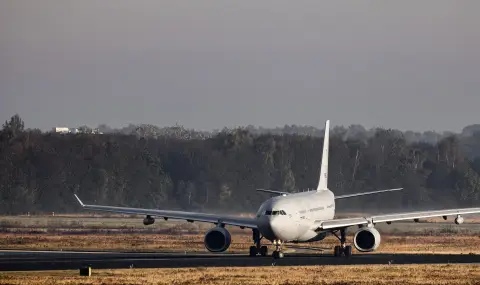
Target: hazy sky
(208, 64)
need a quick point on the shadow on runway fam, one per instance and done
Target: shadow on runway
(31, 260)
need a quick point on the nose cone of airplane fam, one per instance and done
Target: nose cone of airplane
(276, 225)
(283, 229)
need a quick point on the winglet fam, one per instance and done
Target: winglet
(79, 201)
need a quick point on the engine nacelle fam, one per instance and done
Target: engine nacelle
(459, 220)
(366, 239)
(217, 239)
(148, 220)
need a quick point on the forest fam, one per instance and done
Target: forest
(220, 171)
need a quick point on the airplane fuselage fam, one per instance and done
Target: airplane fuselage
(290, 218)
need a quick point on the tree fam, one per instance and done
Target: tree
(179, 168)
(13, 127)
(15, 124)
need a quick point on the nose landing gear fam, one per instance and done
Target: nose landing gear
(278, 253)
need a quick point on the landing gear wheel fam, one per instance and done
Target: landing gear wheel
(253, 251)
(343, 249)
(257, 248)
(337, 251)
(263, 251)
(347, 251)
(277, 254)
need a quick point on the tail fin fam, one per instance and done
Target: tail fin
(323, 182)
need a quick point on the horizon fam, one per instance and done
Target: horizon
(241, 126)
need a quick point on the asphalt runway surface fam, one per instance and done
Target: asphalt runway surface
(62, 260)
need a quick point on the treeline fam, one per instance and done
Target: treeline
(351, 132)
(39, 172)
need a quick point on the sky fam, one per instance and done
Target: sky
(409, 65)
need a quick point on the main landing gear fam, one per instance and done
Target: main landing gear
(342, 249)
(257, 248)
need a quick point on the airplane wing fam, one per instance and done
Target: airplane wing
(177, 215)
(348, 222)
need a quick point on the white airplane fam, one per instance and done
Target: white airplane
(294, 217)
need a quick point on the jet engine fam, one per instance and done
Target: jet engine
(148, 220)
(459, 220)
(366, 239)
(217, 239)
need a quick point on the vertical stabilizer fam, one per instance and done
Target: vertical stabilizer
(323, 182)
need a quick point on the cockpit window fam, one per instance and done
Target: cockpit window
(275, 213)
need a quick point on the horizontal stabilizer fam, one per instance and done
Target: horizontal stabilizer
(274, 192)
(366, 193)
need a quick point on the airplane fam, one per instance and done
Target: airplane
(294, 218)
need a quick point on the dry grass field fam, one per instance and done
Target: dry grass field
(240, 243)
(378, 274)
(129, 234)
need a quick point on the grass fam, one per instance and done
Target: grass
(129, 234)
(97, 224)
(240, 242)
(376, 274)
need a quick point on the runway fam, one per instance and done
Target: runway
(63, 260)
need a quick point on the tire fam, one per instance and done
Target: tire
(264, 251)
(337, 251)
(348, 251)
(253, 251)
